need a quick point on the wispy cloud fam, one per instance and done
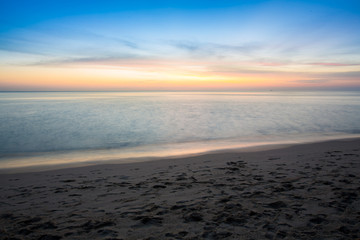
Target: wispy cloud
(258, 66)
(106, 60)
(23, 44)
(355, 75)
(334, 64)
(311, 81)
(329, 78)
(214, 49)
(64, 42)
(130, 44)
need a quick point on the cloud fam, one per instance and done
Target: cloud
(337, 75)
(334, 64)
(214, 49)
(45, 48)
(188, 46)
(312, 81)
(127, 43)
(251, 67)
(23, 45)
(331, 78)
(64, 42)
(86, 60)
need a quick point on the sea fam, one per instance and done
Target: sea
(57, 128)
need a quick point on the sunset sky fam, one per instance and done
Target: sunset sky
(179, 45)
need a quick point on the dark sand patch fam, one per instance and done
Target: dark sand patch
(309, 191)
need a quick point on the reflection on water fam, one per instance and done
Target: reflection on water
(53, 127)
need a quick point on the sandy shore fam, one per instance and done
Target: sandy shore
(309, 191)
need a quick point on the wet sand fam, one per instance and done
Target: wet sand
(307, 191)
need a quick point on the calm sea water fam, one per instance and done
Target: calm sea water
(63, 127)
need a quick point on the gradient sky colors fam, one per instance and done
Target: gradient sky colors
(179, 45)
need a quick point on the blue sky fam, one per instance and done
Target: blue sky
(308, 41)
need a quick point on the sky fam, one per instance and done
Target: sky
(179, 45)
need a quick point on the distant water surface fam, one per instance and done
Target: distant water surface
(66, 127)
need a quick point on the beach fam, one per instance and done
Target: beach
(303, 191)
(152, 120)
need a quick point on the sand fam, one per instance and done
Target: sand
(307, 191)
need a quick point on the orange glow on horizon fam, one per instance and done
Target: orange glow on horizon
(150, 75)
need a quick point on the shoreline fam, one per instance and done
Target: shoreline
(128, 160)
(304, 191)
